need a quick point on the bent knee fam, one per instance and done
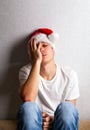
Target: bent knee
(29, 113)
(67, 107)
(29, 108)
(67, 111)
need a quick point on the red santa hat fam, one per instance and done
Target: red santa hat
(45, 35)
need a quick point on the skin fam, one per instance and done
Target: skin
(43, 58)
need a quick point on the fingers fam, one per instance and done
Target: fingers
(34, 50)
(39, 45)
(47, 120)
(44, 114)
(47, 124)
(33, 45)
(30, 45)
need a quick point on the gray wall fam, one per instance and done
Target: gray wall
(70, 18)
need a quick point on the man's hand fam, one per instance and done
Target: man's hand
(35, 50)
(47, 121)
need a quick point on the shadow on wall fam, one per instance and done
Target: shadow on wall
(9, 95)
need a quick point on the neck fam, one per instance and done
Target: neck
(48, 71)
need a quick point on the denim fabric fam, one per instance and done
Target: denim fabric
(30, 117)
(66, 117)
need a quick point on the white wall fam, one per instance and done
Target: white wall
(70, 18)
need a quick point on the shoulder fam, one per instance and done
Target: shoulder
(25, 69)
(68, 71)
(24, 73)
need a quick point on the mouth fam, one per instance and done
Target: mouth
(44, 55)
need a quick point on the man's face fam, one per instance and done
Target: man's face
(47, 52)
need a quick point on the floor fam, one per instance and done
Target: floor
(11, 125)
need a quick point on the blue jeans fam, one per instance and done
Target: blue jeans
(30, 117)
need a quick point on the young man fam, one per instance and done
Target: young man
(49, 91)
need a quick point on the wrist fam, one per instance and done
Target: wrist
(37, 62)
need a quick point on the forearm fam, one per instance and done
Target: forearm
(29, 90)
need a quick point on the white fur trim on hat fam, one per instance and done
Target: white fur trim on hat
(44, 38)
(53, 37)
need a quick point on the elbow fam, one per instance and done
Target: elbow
(26, 98)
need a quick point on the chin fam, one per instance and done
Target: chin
(45, 61)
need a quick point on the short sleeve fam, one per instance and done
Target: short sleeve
(73, 89)
(23, 74)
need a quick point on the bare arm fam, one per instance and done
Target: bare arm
(73, 101)
(29, 90)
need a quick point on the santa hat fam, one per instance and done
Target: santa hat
(45, 35)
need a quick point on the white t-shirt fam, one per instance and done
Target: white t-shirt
(64, 86)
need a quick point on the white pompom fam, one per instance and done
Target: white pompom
(53, 37)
